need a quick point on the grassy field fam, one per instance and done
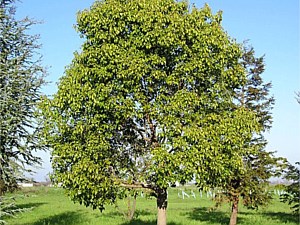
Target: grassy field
(51, 207)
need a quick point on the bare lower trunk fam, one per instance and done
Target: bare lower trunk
(2, 187)
(234, 211)
(131, 207)
(162, 203)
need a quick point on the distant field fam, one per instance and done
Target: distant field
(52, 207)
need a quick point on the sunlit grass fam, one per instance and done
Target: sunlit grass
(52, 207)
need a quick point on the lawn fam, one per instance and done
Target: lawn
(51, 207)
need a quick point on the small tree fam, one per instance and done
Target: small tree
(147, 103)
(259, 165)
(292, 195)
(293, 174)
(21, 79)
(252, 186)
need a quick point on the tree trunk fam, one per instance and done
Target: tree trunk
(131, 207)
(2, 187)
(162, 203)
(234, 211)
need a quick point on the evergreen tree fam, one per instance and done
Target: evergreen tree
(292, 174)
(292, 195)
(259, 165)
(21, 79)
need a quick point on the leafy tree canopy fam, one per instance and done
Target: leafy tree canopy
(147, 102)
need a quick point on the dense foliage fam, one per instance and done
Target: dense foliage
(21, 79)
(292, 195)
(260, 165)
(147, 102)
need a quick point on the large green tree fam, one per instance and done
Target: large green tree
(21, 79)
(147, 102)
(259, 165)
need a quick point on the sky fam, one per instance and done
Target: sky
(270, 26)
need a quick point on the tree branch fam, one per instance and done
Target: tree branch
(137, 186)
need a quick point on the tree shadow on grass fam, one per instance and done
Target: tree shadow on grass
(203, 214)
(30, 205)
(152, 222)
(66, 218)
(137, 213)
(137, 221)
(283, 217)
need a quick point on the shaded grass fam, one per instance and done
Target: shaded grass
(140, 222)
(283, 217)
(52, 207)
(30, 205)
(66, 218)
(205, 215)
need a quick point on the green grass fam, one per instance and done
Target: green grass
(51, 207)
